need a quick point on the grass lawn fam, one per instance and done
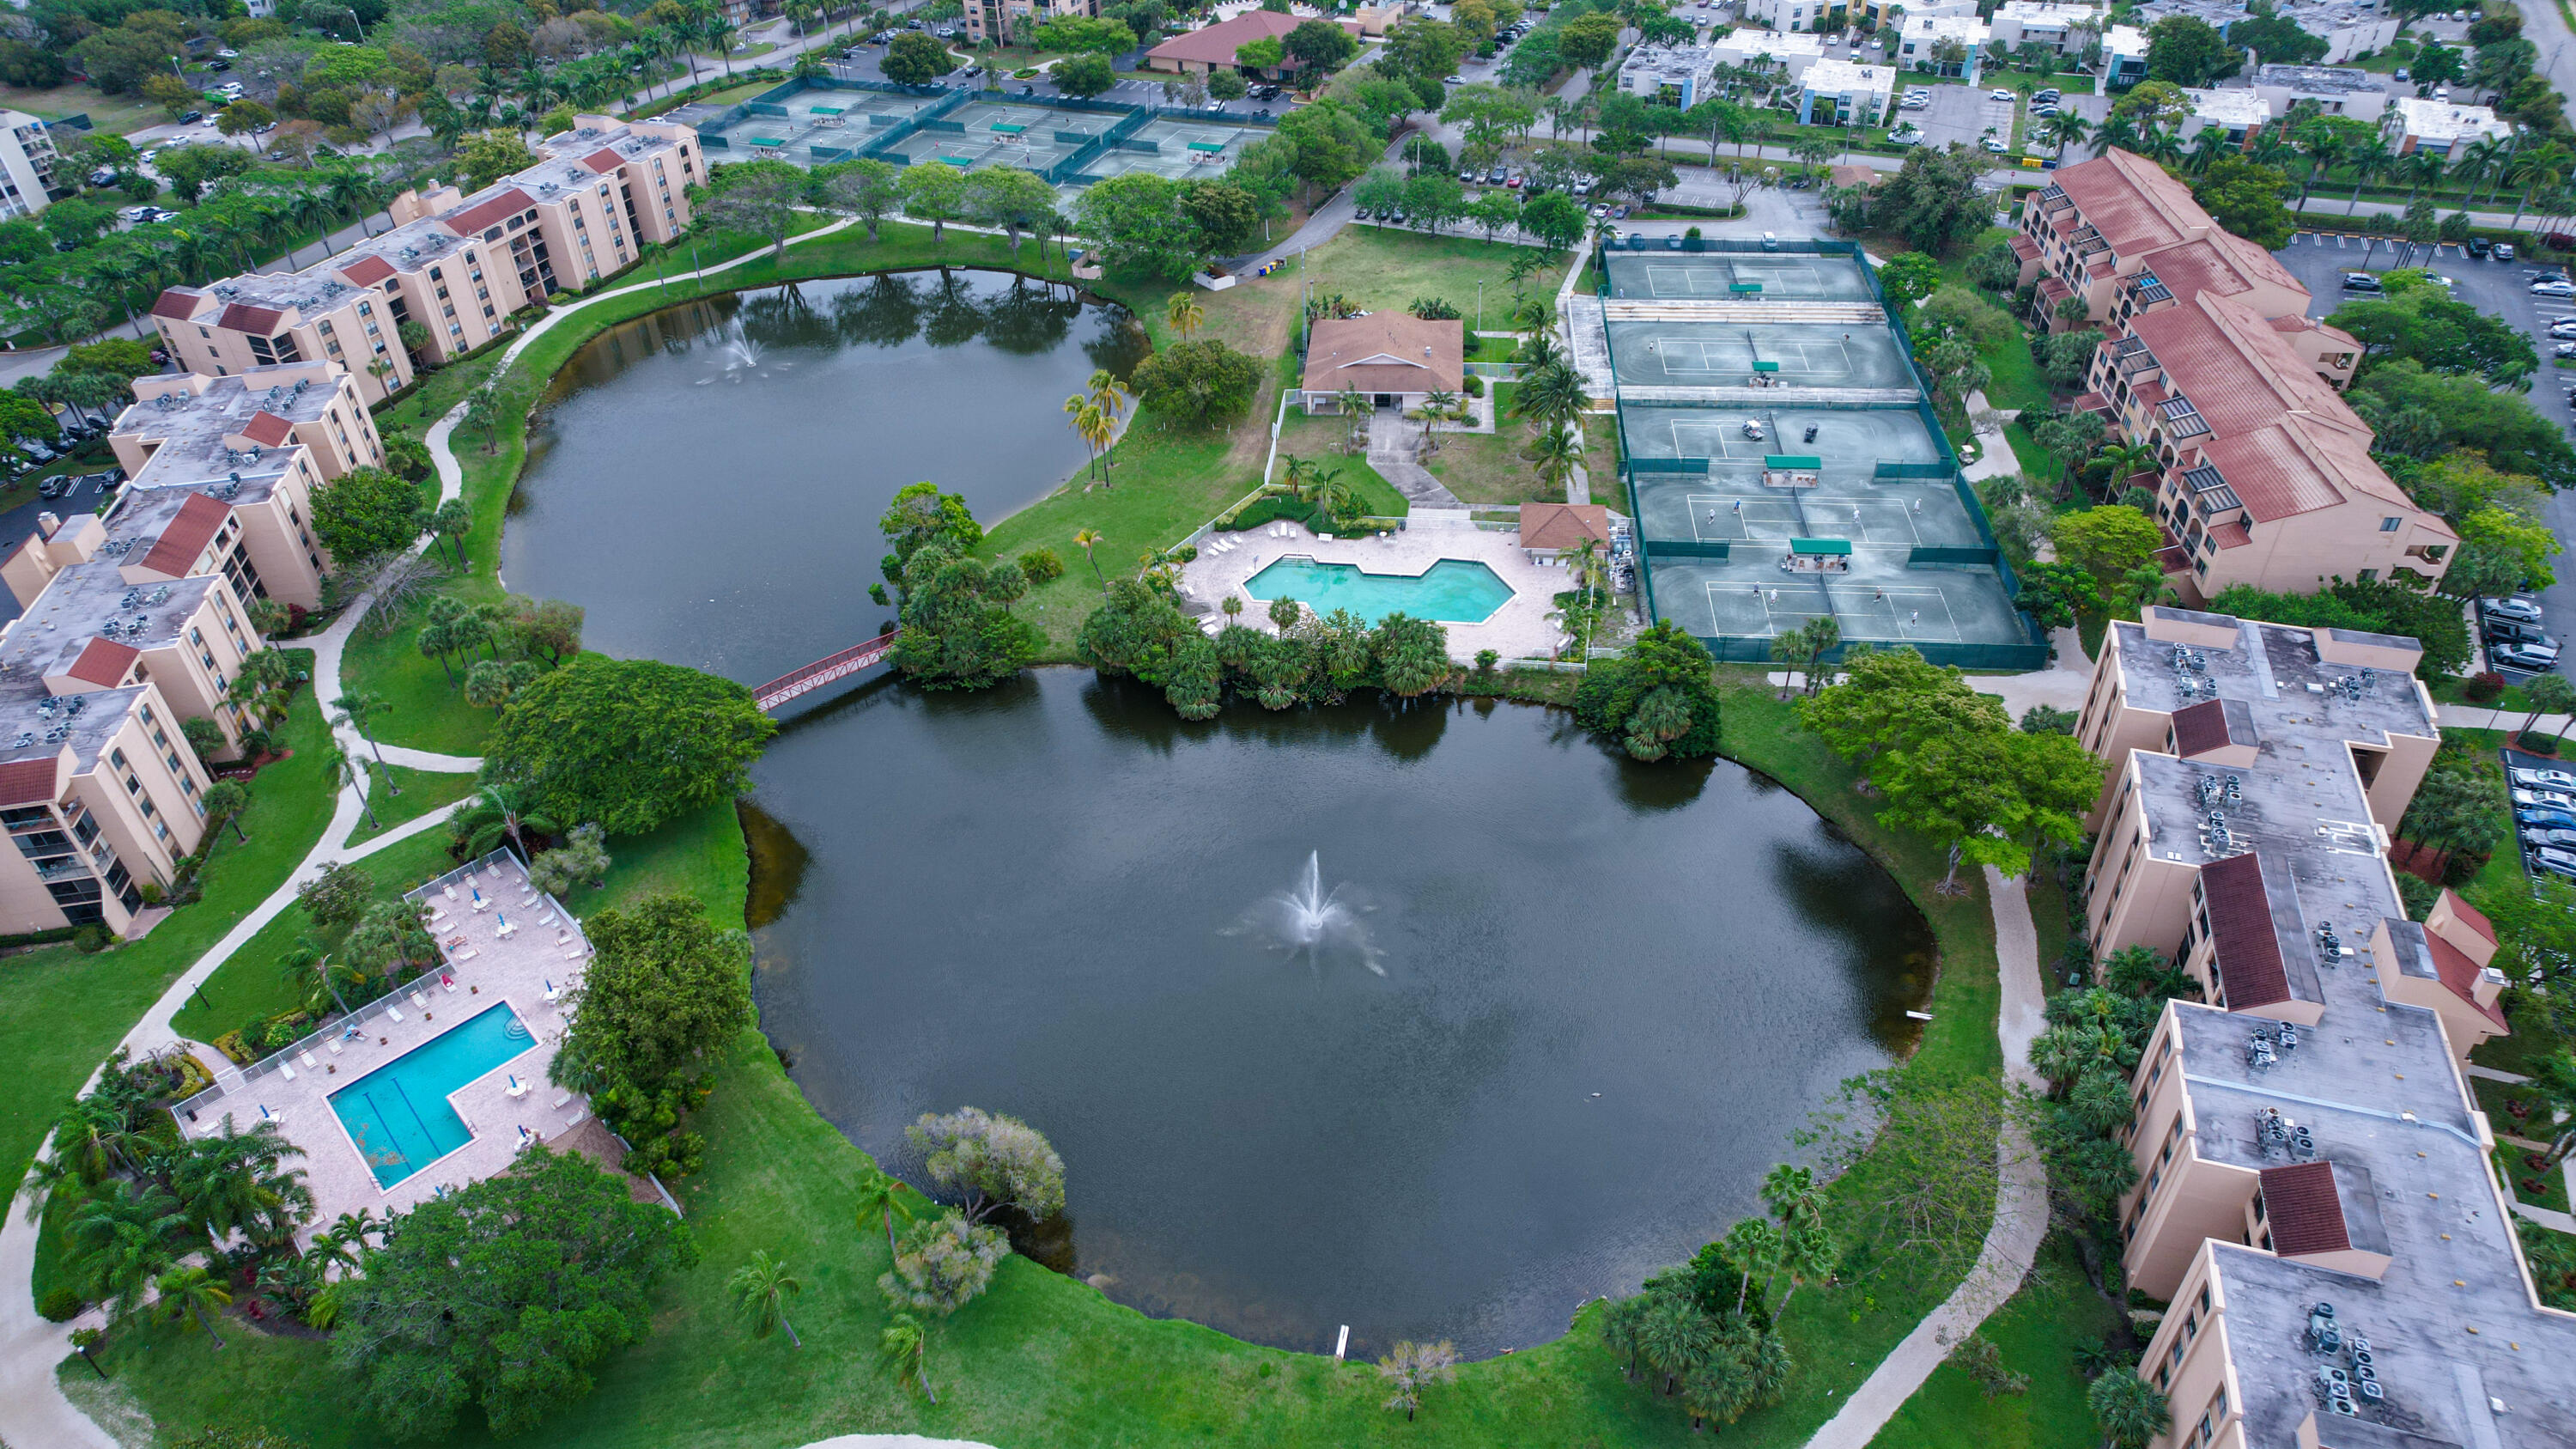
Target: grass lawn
(108, 115)
(61, 1011)
(423, 791)
(2511, 1164)
(1378, 267)
(1046, 1359)
(2037, 1332)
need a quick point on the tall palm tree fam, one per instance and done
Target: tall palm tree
(1555, 454)
(195, 1292)
(1085, 414)
(760, 1291)
(1099, 428)
(2130, 1410)
(1674, 1337)
(2544, 165)
(1184, 314)
(1294, 472)
(1086, 540)
(2065, 129)
(2161, 145)
(2367, 159)
(1106, 393)
(881, 1192)
(904, 1345)
(353, 710)
(236, 1181)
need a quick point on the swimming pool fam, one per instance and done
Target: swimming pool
(1453, 591)
(399, 1115)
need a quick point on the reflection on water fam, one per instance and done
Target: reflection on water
(706, 480)
(1610, 991)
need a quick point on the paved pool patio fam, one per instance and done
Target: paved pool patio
(1520, 629)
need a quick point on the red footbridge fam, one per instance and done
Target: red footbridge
(826, 670)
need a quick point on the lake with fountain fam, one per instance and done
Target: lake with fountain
(1434, 1019)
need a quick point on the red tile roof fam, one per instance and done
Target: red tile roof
(104, 663)
(2132, 202)
(186, 536)
(267, 429)
(2471, 916)
(1216, 44)
(2305, 1212)
(367, 271)
(499, 209)
(29, 782)
(2460, 976)
(1563, 525)
(1389, 352)
(178, 302)
(603, 160)
(243, 317)
(2240, 922)
(2232, 535)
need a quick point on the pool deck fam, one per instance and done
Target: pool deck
(1520, 629)
(546, 945)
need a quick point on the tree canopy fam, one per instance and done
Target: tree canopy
(665, 991)
(2418, 321)
(1198, 383)
(958, 628)
(506, 1295)
(2244, 197)
(1655, 700)
(367, 513)
(630, 743)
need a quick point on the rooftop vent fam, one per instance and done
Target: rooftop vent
(2323, 1336)
(2329, 945)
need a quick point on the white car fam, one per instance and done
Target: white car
(1999, 94)
(2553, 287)
(2551, 798)
(2523, 609)
(2543, 779)
(1996, 146)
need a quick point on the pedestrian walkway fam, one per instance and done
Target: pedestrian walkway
(1390, 452)
(2021, 1197)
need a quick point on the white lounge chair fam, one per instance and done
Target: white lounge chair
(332, 1046)
(578, 1116)
(285, 1071)
(420, 1001)
(449, 891)
(563, 1099)
(309, 1063)
(395, 1012)
(468, 954)
(575, 954)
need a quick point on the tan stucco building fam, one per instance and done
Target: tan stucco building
(1394, 359)
(457, 265)
(2314, 1200)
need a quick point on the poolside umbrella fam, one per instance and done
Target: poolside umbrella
(504, 921)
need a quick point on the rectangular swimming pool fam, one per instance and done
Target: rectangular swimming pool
(399, 1115)
(1453, 591)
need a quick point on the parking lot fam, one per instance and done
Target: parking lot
(2555, 819)
(2501, 289)
(1961, 114)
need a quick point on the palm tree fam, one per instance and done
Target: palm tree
(1753, 1246)
(1086, 418)
(1674, 1338)
(2543, 164)
(2126, 460)
(1555, 453)
(1807, 1253)
(760, 1290)
(1184, 314)
(1294, 472)
(2160, 145)
(225, 800)
(353, 710)
(234, 1181)
(193, 1291)
(122, 1241)
(1085, 540)
(2130, 1410)
(1099, 427)
(2366, 159)
(883, 1193)
(904, 1345)
(1106, 393)
(504, 809)
(2065, 129)
(1792, 1195)
(1413, 1367)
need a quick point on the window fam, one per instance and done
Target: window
(2391, 525)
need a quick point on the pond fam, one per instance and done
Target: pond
(1433, 1020)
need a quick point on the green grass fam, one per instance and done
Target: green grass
(2036, 1331)
(108, 115)
(2553, 1180)
(423, 791)
(61, 1012)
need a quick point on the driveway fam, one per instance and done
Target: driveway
(1961, 114)
(2500, 289)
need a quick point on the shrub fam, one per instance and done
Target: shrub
(230, 1044)
(60, 1304)
(1041, 566)
(1475, 385)
(2536, 743)
(90, 940)
(1187, 553)
(2484, 688)
(1262, 511)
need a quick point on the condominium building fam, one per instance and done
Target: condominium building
(2232, 113)
(2064, 26)
(27, 164)
(1010, 21)
(2349, 28)
(1670, 75)
(1924, 37)
(458, 266)
(2124, 56)
(2124, 235)
(2264, 474)
(2315, 1199)
(2335, 90)
(1841, 93)
(2445, 128)
(1784, 51)
(1791, 14)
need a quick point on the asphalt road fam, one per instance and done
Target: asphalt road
(2500, 289)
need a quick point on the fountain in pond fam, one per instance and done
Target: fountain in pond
(1316, 923)
(740, 357)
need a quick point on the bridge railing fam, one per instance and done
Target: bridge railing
(825, 665)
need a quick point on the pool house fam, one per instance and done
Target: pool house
(443, 1080)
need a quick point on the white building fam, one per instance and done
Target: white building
(1787, 14)
(2348, 27)
(27, 162)
(2446, 127)
(1672, 75)
(2124, 56)
(1923, 33)
(2232, 111)
(1789, 51)
(1843, 93)
(2064, 28)
(2336, 90)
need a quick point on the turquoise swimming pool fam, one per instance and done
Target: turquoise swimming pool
(398, 1114)
(1453, 591)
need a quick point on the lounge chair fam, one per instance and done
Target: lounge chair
(332, 1046)
(578, 1116)
(420, 1001)
(446, 982)
(286, 1071)
(468, 954)
(575, 954)
(450, 891)
(309, 1063)
(563, 1099)
(394, 1012)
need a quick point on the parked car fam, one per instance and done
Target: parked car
(2562, 331)
(2522, 658)
(1996, 146)
(2526, 610)
(2554, 861)
(2531, 779)
(2362, 282)
(2478, 246)
(1999, 94)
(2544, 820)
(2553, 835)
(1753, 431)
(2553, 287)
(2504, 251)
(2543, 799)
(2566, 349)
(2517, 631)
(1497, 176)
(1618, 213)
(192, 118)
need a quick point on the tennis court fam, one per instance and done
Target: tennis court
(1732, 354)
(1849, 440)
(1748, 596)
(1178, 148)
(1710, 276)
(990, 133)
(823, 121)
